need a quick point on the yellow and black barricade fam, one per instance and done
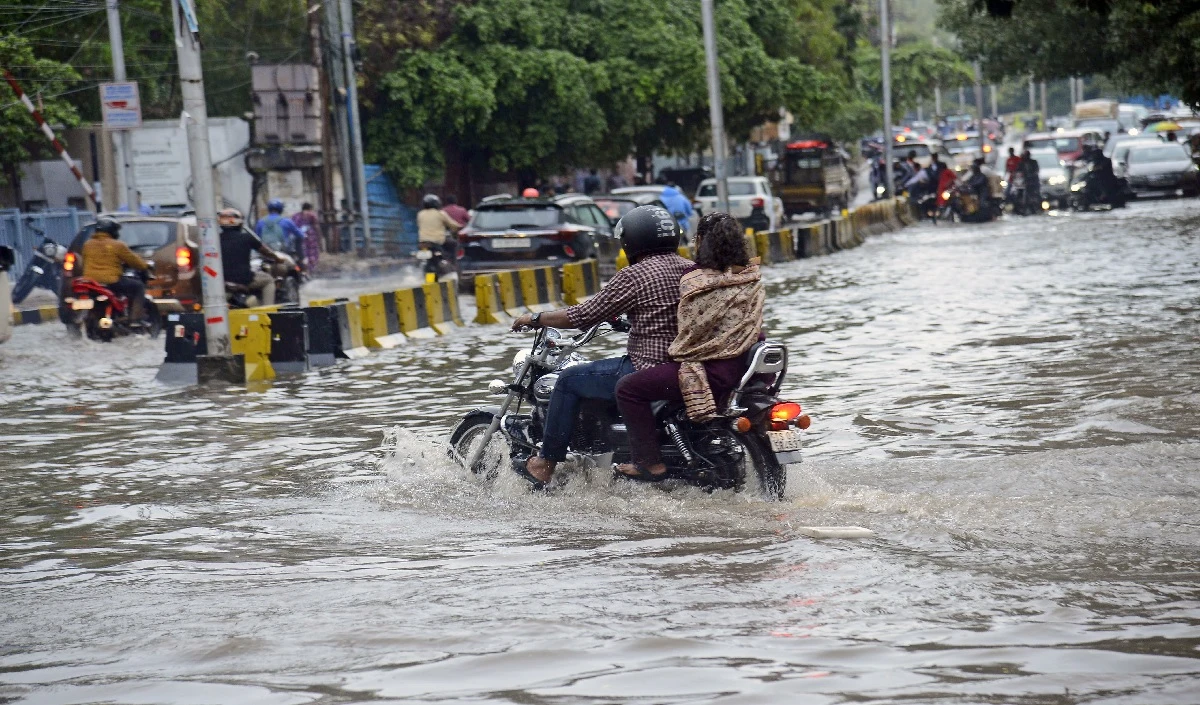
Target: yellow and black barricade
(489, 303)
(539, 289)
(250, 337)
(380, 323)
(289, 341)
(580, 281)
(41, 314)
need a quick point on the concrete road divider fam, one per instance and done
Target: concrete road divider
(289, 341)
(539, 289)
(441, 301)
(489, 303)
(322, 335)
(380, 322)
(776, 246)
(580, 281)
(29, 316)
(185, 341)
(250, 337)
(349, 343)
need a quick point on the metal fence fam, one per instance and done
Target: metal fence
(23, 231)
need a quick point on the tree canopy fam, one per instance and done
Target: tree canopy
(1150, 46)
(46, 80)
(541, 85)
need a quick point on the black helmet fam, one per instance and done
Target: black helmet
(647, 230)
(108, 225)
(431, 201)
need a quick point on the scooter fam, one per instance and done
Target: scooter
(44, 269)
(434, 260)
(288, 278)
(755, 433)
(100, 314)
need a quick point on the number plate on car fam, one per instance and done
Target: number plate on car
(510, 243)
(83, 304)
(783, 441)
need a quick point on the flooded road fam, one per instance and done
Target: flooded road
(1014, 408)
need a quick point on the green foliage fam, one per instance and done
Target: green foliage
(1151, 47)
(536, 86)
(20, 136)
(917, 68)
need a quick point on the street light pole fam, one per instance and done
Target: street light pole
(195, 115)
(126, 179)
(360, 168)
(715, 110)
(885, 52)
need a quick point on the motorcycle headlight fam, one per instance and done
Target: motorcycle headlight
(518, 361)
(1056, 180)
(946, 195)
(1077, 187)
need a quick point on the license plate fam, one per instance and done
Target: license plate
(783, 441)
(83, 304)
(510, 243)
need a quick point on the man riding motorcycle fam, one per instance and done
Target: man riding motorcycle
(236, 245)
(648, 291)
(279, 232)
(105, 258)
(435, 230)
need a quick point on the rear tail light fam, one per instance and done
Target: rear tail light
(757, 203)
(565, 234)
(570, 251)
(460, 252)
(69, 263)
(183, 259)
(783, 414)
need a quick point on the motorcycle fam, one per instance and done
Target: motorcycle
(101, 314)
(43, 270)
(1088, 191)
(754, 433)
(1021, 200)
(436, 264)
(288, 278)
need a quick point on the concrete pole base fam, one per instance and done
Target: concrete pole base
(228, 369)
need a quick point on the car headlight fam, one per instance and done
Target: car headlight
(1077, 187)
(1057, 179)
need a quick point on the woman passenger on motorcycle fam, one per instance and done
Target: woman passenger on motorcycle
(720, 318)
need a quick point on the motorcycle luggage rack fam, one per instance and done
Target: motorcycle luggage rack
(766, 358)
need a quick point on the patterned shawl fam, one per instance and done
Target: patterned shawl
(720, 316)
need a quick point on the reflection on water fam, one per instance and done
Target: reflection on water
(1012, 408)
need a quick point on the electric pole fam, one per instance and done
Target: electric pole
(716, 112)
(337, 75)
(195, 115)
(885, 52)
(995, 108)
(1045, 112)
(360, 169)
(126, 179)
(1032, 95)
(937, 102)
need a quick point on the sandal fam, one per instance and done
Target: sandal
(519, 467)
(642, 474)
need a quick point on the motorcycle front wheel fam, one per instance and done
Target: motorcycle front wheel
(468, 435)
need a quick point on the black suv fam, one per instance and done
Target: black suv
(516, 233)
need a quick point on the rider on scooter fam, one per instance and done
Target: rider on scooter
(648, 291)
(236, 245)
(436, 230)
(105, 258)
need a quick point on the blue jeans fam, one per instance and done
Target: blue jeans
(594, 380)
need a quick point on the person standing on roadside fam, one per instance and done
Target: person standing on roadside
(591, 183)
(455, 211)
(310, 228)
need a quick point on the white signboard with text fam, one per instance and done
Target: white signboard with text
(121, 105)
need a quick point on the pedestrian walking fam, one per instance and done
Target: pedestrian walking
(309, 225)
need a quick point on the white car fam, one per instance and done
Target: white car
(743, 192)
(6, 307)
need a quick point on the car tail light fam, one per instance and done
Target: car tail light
(757, 203)
(460, 252)
(783, 414)
(183, 259)
(570, 251)
(566, 233)
(69, 263)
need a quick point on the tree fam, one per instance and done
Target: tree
(1143, 45)
(536, 86)
(917, 68)
(20, 137)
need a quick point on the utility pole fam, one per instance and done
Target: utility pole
(1045, 112)
(337, 75)
(355, 124)
(937, 102)
(716, 111)
(995, 108)
(328, 206)
(978, 95)
(126, 179)
(1032, 95)
(962, 99)
(195, 115)
(885, 53)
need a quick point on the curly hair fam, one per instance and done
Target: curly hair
(720, 243)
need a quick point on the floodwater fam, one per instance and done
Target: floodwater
(1013, 408)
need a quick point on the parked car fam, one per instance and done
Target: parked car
(7, 260)
(1163, 169)
(654, 191)
(171, 243)
(1120, 151)
(1068, 143)
(745, 194)
(533, 232)
(617, 205)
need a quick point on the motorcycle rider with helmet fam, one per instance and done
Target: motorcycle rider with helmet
(435, 231)
(648, 292)
(280, 232)
(105, 258)
(236, 245)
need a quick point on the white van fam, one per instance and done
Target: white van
(6, 305)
